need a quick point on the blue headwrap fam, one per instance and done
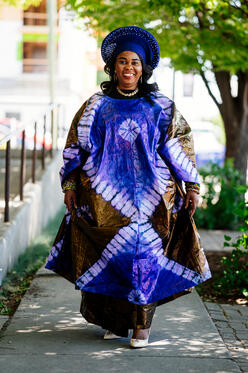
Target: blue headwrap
(133, 47)
(134, 39)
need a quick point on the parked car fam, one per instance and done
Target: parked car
(5, 128)
(29, 139)
(207, 146)
(11, 124)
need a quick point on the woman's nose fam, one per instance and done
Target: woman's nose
(129, 65)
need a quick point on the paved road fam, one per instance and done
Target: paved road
(48, 334)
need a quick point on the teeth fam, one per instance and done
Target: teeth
(128, 74)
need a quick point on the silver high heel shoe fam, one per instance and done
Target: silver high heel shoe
(110, 335)
(139, 343)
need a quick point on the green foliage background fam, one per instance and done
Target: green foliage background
(197, 35)
(234, 277)
(23, 4)
(223, 193)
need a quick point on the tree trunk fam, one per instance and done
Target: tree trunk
(234, 112)
(240, 161)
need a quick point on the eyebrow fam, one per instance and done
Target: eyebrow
(124, 58)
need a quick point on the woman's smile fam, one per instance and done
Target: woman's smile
(126, 75)
(128, 69)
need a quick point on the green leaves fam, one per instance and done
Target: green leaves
(223, 205)
(227, 238)
(185, 27)
(234, 277)
(23, 4)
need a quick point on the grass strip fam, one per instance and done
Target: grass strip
(20, 277)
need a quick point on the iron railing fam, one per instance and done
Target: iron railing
(51, 112)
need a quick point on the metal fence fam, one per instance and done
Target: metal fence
(48, 123)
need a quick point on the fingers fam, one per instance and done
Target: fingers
(68, 203)
(192, 210)
(74, 200)
(191, 201)
(187, 199)
(70, 200)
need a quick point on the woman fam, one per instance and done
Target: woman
(128, 240)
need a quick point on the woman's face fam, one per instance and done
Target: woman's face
(128, 68)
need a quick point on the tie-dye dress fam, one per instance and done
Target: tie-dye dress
(130, 239)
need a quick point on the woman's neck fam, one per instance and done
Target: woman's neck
(122, 88)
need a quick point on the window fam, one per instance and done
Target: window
(188, 85)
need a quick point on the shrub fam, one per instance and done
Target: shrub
(222, 193)
(234, 277)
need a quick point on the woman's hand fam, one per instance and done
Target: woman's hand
(191, 201)
(70, 200)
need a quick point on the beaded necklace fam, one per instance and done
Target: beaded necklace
(127, 94)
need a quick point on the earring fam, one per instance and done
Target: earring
(141, 80)
(115, 78)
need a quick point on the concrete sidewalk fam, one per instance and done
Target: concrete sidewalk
(213, 240)
(48, 334)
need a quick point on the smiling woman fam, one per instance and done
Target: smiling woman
(127, 240)
(134, 64)
(128, 70)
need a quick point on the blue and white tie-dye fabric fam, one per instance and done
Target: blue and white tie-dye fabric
(130, 151)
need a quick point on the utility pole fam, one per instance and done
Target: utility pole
(52, 35)
(173, 84)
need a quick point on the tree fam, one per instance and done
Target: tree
(23, 4)
(208, 37)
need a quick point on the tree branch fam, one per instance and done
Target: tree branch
(200, 20)
(230, 107)
(238, 7)
(206, 82)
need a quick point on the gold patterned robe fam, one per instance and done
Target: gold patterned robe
(130, 245)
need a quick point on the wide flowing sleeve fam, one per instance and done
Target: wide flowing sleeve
(82, 136)
(73, 154)
(177, 148)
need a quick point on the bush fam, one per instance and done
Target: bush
(223, 191)
(234, 278)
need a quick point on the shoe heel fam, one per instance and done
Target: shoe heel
(138, 343)
(110, 335)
